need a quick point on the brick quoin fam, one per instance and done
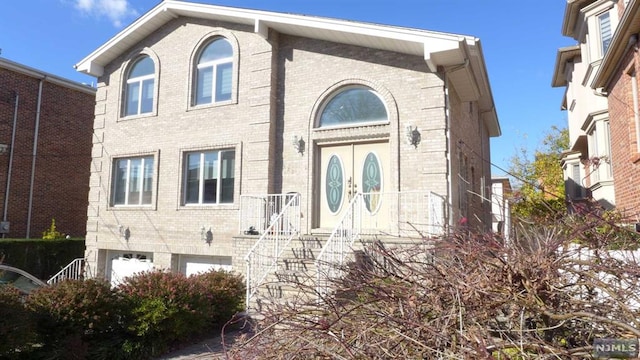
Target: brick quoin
(62, 159)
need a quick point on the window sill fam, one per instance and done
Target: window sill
(138, 116)
(131, 207)
(226, 206)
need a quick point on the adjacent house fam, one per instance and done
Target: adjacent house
(221, 134)
(46, 124)
(617, 80)
(588, 164)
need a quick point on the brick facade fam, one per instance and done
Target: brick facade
(282, 80)
(63, 113)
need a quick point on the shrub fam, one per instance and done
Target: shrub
(52, 232)
(16, 326)
(79, 319)
(168, 308)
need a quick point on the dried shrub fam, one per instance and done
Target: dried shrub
(546, 296)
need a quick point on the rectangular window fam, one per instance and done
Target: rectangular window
(604, 21)
(606, 162)
(133, 181)
(223, 82)
(205, 81)
(209, 177)
(576, 183)
(594, 152)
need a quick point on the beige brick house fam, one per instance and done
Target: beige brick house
(219, 130)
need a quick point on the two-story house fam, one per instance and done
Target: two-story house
(223, 132)
(617, 79)
(587, 164)
(46, 123)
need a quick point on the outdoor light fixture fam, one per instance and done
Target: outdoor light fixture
(413, 136)
(4, 148)
(298, 144)
(206, 235)
(124, 233)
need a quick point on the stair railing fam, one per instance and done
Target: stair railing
(263, 256)
(333, 254)
(74, 271)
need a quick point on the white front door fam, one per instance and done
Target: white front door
(350, 169)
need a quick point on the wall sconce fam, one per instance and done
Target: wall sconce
(124, 233)
(413, 136)
(206, 236)
(4, 148)
(298, 144)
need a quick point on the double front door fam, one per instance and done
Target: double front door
(348, 169)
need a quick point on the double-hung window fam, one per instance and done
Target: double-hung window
(209, 177)
(133, 181)
(214, 73)
(140, 87)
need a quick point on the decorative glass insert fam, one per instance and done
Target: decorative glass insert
(372, 182)
(354, 105)
(334, 183)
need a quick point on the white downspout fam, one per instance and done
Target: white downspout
(448, 155)
(33, 160)
(7, 191)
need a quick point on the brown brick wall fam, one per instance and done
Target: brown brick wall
(62, 157)
(624, 154)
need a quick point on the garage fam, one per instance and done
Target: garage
(123, 265)
(192, 264)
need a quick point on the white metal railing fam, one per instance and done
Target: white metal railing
(263, 256)
(418, 214)
(73, 271)
(258, 211)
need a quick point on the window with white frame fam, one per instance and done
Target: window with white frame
(209, 177)
(140, 87)
(604, 26)
(576, 183)
(594, 151)
(214, 73)
(133, 181)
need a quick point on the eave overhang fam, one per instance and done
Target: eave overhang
(37, 74)
(439, 50)
(625, 36)
(564, 56)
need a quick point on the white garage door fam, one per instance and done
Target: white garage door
(191, 265)
(123, 267)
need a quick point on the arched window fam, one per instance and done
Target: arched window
(140, 87)
(214, 72)
(352, 106)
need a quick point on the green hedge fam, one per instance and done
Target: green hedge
(41, 258)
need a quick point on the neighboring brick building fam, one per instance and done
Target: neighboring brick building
(46, 124)
(202, 108)
(617, 78)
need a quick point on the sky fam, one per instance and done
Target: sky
(519, 43)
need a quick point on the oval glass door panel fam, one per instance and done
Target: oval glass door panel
(372, 182)
(334, 183)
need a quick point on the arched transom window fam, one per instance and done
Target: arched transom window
(214, 73)
(352, 106)
(140, 87)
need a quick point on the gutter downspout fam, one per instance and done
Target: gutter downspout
(447, 114)
(13, 141)
(33, 160)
